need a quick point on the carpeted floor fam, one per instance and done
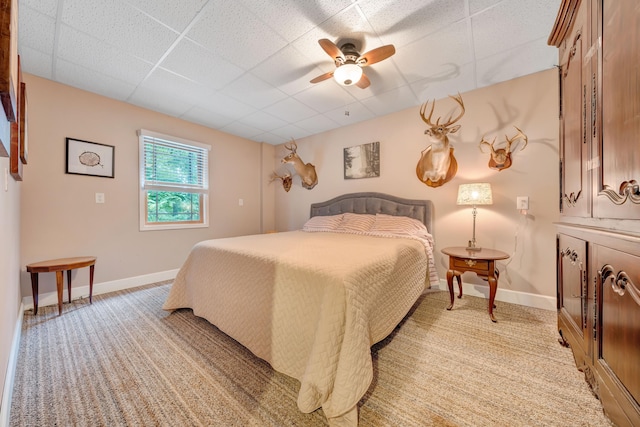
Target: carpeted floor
(125, 361)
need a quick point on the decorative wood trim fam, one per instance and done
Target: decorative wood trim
(564, 21)
(629, 190)
(9, 57)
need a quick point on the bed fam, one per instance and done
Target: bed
(312, 302)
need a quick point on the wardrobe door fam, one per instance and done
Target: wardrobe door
(574, 296)
(618, 328)
(618, 177)
(574, 107)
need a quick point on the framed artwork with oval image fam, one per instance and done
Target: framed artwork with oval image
(89, 158)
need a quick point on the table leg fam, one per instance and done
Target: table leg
(59, 284)
(34, 291)
(69, 285)
(493, 287)
(91, 283)
(450, 275)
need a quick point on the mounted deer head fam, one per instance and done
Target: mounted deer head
(307, 171)
(286, 179)
(501, 157)
(437, 164)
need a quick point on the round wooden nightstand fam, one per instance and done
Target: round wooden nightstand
(482, 262)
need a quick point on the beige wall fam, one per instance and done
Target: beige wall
(9, 260)
(531, 104)
(60, 217)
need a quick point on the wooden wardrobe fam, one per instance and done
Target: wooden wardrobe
(598, 236)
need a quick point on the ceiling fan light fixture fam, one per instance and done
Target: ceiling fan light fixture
(348, 74)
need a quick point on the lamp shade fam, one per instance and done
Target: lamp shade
(348, 74)
(475, 194)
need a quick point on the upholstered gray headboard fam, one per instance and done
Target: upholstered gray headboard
(373, 203)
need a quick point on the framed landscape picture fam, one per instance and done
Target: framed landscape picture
(362, 161)
(89, 158)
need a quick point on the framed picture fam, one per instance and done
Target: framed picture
(362, 161)
(23, 123)
(89, 158)
(15, 165)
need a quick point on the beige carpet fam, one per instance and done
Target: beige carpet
(125, 361)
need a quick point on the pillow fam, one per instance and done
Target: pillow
(322, 223)
(397, 225)
(356, 222)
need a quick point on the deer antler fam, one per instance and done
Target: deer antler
(484, 141)
(516, 136)
(292, 147)
(450, 120)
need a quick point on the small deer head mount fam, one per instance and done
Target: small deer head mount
(501, 157)
(437, 165)
(286, 179)
(307, 171)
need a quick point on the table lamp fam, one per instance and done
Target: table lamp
(474, 194)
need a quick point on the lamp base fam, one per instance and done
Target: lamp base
(472, 246)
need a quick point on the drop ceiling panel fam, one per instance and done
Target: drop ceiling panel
(434, 55)
(229, 64)
(263, 121)
(508, 25)
(47, 7)
(291, 110)
(206, 118)
(391, 101)
(253, 91)
(224, 105)
(242, 129)
(291, 131)
(515, 63)
(80, 49)
(402, 22)
(159, 101)
(119, 25)
(233, 32)
(350, 114)
(39, 37)
(437, 88)
(92, 81)
(38, 63)
(175, 14)
(289, 70)
(198, 64)
(317, 124)
(293, 18)
(325, 97)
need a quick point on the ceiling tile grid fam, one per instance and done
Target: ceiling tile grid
(244, 67)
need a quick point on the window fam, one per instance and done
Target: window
(174, 182)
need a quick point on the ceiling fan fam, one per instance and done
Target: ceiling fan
(349, 62)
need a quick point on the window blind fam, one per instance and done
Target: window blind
(172, 164)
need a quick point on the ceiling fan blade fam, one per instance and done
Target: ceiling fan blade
(330, 47)
(376, 55)
(364, 82)
(323, 77)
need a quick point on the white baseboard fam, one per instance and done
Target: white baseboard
(77, 292)
(504, 295)
(7, 394)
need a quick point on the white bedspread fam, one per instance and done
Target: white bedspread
(310, 304)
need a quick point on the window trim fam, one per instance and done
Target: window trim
(143, 188)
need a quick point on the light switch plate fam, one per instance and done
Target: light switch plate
(522, 203)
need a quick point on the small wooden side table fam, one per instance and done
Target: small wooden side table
(482, 262)
(59, 266)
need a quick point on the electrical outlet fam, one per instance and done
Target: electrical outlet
(240, 202)
(99, 197)
(522, 203)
